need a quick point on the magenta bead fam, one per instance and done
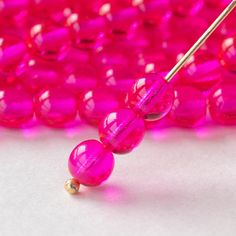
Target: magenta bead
(203, 71)
(56, 107)
(189, 107)
(222, 104)
(184, 8)
(90, 163)
(12, 50)
(121, 131)
(228, 53)
(118, 79)
(16, 107)
(80, 78)
(155, 11)
(36, 74)
(48, 41)
(151, 97)
(95, 104)
(86, 34)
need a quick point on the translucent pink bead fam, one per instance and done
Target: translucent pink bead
(16, 107)
(80, 78)
(189, 107)
(203, 71)
(90, 163)
(95, 104)
(122, 21)
(36, 74)
(117, 79)
(155, 11)
(48, 41)
(56, 107)
(151, 97)
(12, 50)
(121, 131)
(222, 104)
(86, 34)
(228, 53)
(184, 8)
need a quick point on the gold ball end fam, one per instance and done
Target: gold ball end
(72, 186)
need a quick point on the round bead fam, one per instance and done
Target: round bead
(86, 34)
(155, 11)
(189, 107)
(56, 107)
(184, 8)
(151, 97)
(80, 78)
(90, 163)
(203, 71)
(48, 41)
(12, 50)
(228, 53)
(95, 104)
(118, 79)
(37, 75)
(16, 107)
(222, 104)
(121, 131)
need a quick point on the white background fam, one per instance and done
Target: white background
(178, 182)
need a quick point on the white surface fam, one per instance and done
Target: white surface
(176, 183)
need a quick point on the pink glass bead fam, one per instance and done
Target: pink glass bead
(151, 97)
(228, 53)
(203, 71)
(121, 131)
(80, 77)
(49, 42)
(155, 11)
(189, 107)
(56, 107)
(87, 34)
(122, 21)
(90, 163)
(117, 79)
(36, 74)
(184, 8)
(12, 50)
(222, 104)
(95, 104)
(16, 107)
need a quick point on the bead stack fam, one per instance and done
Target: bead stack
(106, 58)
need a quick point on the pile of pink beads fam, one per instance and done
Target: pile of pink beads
(102, 58)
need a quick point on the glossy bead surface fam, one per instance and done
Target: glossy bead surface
(151, 97)
(121, 131)
(189, 107)
(16, 107)
(184, 8)
(90, 163)
(49, 41)
(228, 53)
(12, 50)
(36, 74)
(56, 107)
(80, 78)
(95, 104)
(222, 104)
(203, 71)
